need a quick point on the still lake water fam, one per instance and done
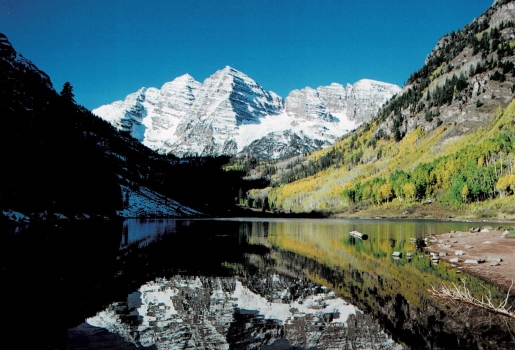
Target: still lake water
(236, 284)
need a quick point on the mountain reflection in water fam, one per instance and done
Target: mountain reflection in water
(283, 284)
(278, 262)
(238, 284)
(244, 313)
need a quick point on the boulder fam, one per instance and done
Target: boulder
(494, 258)
(471, 261)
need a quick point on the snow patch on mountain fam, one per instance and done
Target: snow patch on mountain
(283, 122)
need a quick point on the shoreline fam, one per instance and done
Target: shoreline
(431, 211)
(428, 211)
(487, 254)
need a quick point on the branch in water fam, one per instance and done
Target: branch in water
(462, 294)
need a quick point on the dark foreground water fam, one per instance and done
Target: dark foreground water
(238, 284)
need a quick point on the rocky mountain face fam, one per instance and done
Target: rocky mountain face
(356, 103)
(230, 113)
(465, 78)
(227, 100)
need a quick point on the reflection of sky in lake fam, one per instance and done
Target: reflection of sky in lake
(145, 231)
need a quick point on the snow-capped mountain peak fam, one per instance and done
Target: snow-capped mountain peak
(230, 112)
(185, 78)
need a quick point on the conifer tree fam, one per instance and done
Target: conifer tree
(67, 92)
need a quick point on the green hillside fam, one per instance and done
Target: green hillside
(440, 167)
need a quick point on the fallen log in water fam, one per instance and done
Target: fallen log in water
(359, 235)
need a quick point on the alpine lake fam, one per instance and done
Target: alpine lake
(237, 284)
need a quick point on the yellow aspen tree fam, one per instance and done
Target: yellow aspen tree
(464, 193)
(409, 190)
(385, 192)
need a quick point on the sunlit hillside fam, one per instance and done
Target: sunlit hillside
(446, 140)
(422, 167)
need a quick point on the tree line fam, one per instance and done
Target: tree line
(477, 172)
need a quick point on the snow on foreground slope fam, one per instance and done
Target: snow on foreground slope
(146, 203)
(229, 112)
(139, 203)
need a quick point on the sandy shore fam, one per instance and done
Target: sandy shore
(488, 245)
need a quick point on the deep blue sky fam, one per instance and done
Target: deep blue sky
(108, 49)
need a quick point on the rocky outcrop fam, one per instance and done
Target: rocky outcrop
(357, 103)
(17, 61)
(504, 11)
(366, 97)
(307, 104)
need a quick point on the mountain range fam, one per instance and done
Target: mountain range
(229, 114)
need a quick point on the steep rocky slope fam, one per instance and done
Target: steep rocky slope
(465, 77)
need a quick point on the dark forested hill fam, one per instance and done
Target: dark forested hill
(48, 162)
(58, 157)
